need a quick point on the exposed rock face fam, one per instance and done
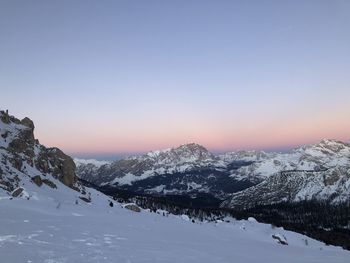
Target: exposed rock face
(17, 192)
(21, 154)
(37, 180)
(62, 166)
(280, 239)
(132, 207)
(49, 183)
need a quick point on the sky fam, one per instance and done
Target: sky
(106, 78)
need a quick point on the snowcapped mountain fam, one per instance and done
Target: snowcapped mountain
(188, 169)
(327, 153)
(181, 157)
(191, 169)
(331, 185)
(316, 172)
(25, 163)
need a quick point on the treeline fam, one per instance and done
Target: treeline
(320, 220)
(202, 207)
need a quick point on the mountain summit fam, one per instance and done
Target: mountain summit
(190, 152)
(186, 153)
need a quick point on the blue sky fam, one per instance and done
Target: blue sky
(107, 77)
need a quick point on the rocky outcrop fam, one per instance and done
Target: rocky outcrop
(37, 180)
(17, 192)
(49, 183)
(280, 239)
(59, 164)
(22, 155)
(132, 207)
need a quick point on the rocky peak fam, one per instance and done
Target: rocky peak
(193, 149)
(5, 117)
(186, 153)
(28, 123)
(326, 148)
(21, 152)
(332, 145)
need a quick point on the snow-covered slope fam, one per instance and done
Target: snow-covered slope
(52, 227)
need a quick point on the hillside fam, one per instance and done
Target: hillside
(51, 227)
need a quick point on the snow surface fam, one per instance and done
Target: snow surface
(52, 228)
(129, 178)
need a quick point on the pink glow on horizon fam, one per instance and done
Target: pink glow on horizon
(258, 136)
(103, 136)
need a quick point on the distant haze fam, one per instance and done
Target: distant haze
(108, 78)
(118, 156)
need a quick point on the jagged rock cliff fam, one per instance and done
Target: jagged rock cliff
(23, 158)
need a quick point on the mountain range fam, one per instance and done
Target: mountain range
(242, 179)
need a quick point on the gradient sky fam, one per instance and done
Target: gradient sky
(101, 78)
